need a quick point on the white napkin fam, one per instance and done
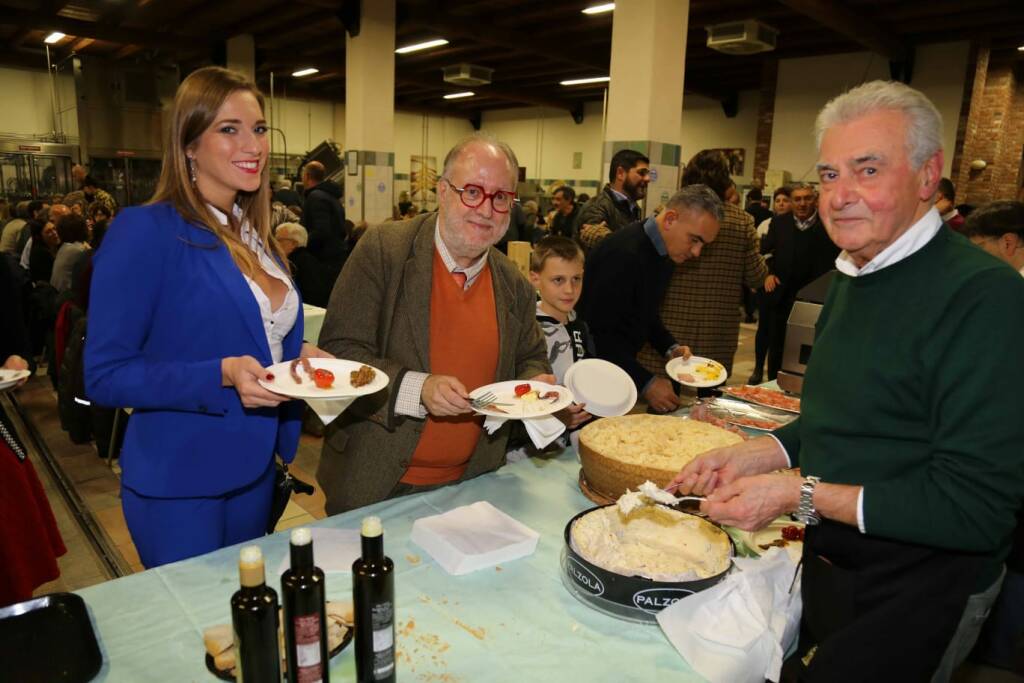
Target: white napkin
(542, 430)
(739, 630)
(473, 537)
(327, 409)
(334, 550)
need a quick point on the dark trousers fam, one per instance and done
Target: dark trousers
(769, 342)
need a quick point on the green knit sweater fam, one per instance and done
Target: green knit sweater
(913, 392)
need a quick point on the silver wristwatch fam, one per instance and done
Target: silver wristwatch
(806, 512)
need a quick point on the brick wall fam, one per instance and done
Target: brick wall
(765, 118)
(992, 132)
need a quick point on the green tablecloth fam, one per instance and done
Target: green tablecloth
(516, 624)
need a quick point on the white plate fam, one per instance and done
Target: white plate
(605, 388)
(9, 378)
(284, 384)
(517, 408)
(755, 539)
(677, 365)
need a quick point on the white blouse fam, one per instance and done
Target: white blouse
(276, 324)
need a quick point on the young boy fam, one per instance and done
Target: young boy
(556, 272)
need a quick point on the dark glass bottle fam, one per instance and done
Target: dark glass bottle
(305, 614)
(373, 596)
(254, 619)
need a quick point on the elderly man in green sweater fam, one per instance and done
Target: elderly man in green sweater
(910, 441)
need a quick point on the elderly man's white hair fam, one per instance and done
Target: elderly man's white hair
(924, 123)
(294, 232)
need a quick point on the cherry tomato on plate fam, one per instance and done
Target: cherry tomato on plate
(323, 379)
(522, 389)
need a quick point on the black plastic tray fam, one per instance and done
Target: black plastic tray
(48, 639)
(641, 597)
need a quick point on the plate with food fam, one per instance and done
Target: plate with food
(220, 645)
(696, 371)
(782, 533)
(762, 396)
(518, 400)
(323, 378)
(11, 378)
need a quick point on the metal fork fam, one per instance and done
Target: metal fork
(484, 400)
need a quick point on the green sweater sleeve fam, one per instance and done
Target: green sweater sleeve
(789, 436)
(966, 497)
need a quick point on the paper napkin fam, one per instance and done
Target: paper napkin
(542, 430)
(473, 537)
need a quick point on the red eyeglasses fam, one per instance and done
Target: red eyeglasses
(474, 195)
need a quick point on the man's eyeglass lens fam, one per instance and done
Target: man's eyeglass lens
(474, 195)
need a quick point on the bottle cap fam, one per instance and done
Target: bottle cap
(372, 527)
(250, 555)
(301, 536)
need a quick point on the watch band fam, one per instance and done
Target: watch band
(807, 513)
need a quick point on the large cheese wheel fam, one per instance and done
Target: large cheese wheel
(623, 452)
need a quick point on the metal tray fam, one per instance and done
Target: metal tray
(733, 409)
(48, 640)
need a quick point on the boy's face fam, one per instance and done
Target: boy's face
(560, 283)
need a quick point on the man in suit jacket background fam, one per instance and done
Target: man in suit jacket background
(626, 278)
(433, 305)
(323, 217)
(800, 251)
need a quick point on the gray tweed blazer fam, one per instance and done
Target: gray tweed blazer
(379, 313)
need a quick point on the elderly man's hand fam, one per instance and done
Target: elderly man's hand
(771, 282)
(752, 503)
(547, 378)
(444, 395)
(725, 465)
(661, 396)
(15, 362)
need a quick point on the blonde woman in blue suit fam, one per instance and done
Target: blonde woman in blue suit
(191, 301)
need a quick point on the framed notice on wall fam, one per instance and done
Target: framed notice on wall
(423, 182)
(352, 162)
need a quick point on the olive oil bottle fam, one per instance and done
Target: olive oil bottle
(373, 596)
(305, 614)
(254, 621)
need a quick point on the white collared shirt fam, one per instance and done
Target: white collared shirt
(803, 225)
(918, 235)
(276, 324)
(910, 242)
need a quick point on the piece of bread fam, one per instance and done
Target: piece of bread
(342, 611)
(218, 638)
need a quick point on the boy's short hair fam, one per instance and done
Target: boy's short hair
(553, 246)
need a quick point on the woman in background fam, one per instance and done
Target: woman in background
(191, 301)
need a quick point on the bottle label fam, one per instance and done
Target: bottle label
(307, 647)
(383, 640)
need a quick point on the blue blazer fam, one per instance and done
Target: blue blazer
(167, 304)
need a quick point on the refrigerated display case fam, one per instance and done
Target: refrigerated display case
(35, 170)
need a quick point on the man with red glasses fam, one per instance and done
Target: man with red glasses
(429, 302)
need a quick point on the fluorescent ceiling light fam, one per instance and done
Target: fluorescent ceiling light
(305, 72)
(584, 81)
(54, 37)
(600, 9)
(415, 47)
(459, 95)
(1021, 48)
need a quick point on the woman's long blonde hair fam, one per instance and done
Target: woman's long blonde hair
(196, 103)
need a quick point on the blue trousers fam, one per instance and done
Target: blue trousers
(170, 529)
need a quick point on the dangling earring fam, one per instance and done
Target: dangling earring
(191, 169)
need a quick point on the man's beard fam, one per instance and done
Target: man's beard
(635, 191)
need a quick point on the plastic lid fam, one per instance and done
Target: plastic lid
(251, 554)
(372, 527)
(301, 536)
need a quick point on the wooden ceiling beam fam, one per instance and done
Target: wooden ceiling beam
(839, 19)
(97, 31)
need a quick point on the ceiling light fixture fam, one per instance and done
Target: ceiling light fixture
(599, 9)
(416, 47)
(585, 81)
(54, 37)
(305, 72)
(1020, 48)
(459, 95)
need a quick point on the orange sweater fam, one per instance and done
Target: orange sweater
(464, 344)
